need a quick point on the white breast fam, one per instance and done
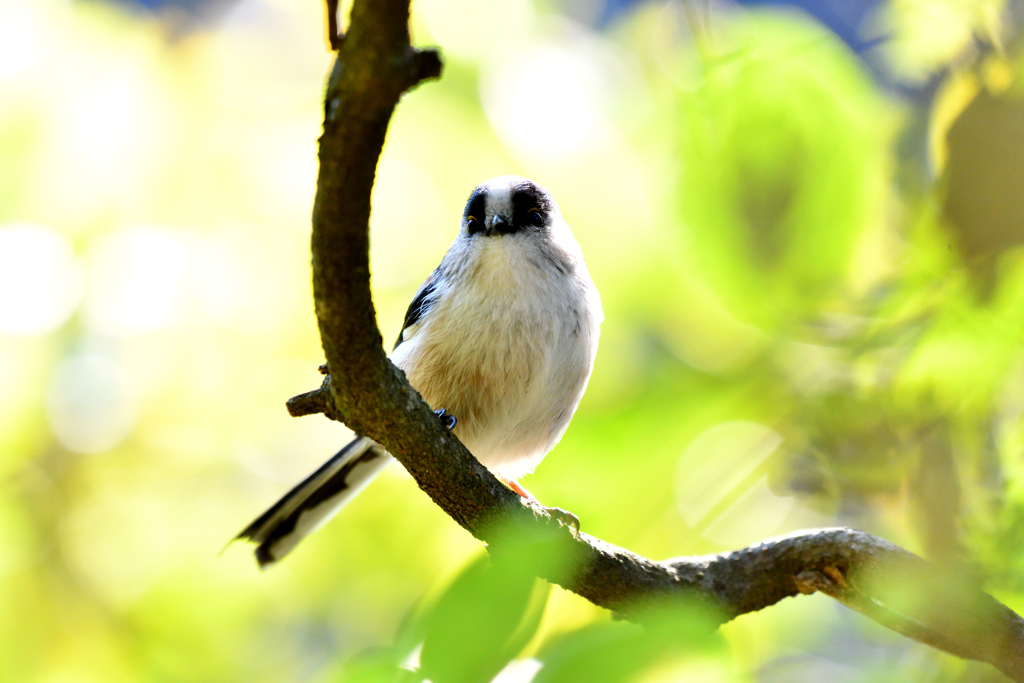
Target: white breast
(507, 346)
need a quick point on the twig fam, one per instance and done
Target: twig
(313, 402)
(334, 36)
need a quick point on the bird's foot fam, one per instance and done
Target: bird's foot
(447, 419)
(514, 485)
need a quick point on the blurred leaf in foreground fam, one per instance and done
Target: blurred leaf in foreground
(611, 652)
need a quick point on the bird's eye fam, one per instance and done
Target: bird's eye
(535, 217)
(472, 225)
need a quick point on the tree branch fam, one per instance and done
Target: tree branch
(375, 65)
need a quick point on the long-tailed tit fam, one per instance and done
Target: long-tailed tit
(500, 338)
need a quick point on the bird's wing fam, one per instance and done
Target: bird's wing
(420, 305)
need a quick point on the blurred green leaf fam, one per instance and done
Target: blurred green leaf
(613, 652)
(376, 665)
(484, 619)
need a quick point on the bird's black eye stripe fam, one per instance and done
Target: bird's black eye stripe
(531, 205)
(476, 212)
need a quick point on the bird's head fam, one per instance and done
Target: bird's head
(508, 205)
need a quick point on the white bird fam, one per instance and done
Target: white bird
(500, 338)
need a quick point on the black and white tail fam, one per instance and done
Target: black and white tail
(313, 502)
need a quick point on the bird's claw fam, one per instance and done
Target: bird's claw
(565, 518)
(447, 419)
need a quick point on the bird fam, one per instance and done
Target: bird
(500, 340)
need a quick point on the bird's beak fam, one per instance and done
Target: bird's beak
(499, 225)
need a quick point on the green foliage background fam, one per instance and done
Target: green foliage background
(814, 292)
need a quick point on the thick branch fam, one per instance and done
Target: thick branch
(375, 66)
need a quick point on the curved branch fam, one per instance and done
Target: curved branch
(375, 65)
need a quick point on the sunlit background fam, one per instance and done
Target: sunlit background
(806, 221)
